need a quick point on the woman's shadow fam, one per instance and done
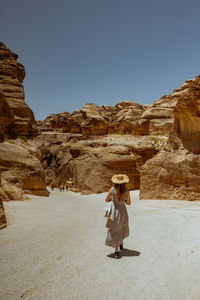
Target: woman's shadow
(125, 252)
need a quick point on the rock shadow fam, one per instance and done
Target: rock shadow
(125, 252)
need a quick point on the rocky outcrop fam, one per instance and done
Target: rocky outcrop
(90, 163)
(18, 118)
(93, 120)
(94, 123)
(21, 170)
(174, 173)
(6, 116)
(158, 117)
(20, 161)
(126, 117)
(3, 222)
(125, 121)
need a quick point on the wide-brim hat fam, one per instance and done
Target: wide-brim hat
(120, 178)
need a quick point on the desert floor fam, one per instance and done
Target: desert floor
(53, 248)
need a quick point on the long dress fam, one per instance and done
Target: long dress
(119, 228)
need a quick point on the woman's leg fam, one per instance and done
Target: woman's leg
(116, 251)
(116, 248)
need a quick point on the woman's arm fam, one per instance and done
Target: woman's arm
(128, 200)
(108, 195)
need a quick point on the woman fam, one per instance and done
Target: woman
(119, 228)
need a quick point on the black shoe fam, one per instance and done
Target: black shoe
(121, 247)
(116, 255)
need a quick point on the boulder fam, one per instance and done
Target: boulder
(21, 170)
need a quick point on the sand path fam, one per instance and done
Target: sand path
(53, 249)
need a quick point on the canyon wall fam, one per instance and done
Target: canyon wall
(20, 163)
(90, 162)
(156, 145)
(174, 173)
(3, 222)
(16, 118)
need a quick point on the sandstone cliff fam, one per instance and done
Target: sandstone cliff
(90, 162)
(126, 117)
(3, 222)
(20, 165)
(174, 173)
(21, 170)
(16, 118)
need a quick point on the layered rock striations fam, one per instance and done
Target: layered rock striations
(174, 173)
(16, 118)
(6, 116)
(21, 170)
(126, 117)
(20, 163)
(90, 162)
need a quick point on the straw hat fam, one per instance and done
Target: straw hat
(120, 178)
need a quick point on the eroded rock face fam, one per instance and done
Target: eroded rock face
(20, 119)
(21, 170)
(3, 222)
(125, 121)
(90, 163)
(126, 117)
(159, 116)
(174, 173)
(94, 123)
(6, 116)
(20, 161)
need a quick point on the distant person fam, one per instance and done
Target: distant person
(61, 188)
(52, 187)
(119, 228)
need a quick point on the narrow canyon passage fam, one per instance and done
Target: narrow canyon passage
(53, 248)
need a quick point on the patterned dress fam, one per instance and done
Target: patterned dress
(119, 228)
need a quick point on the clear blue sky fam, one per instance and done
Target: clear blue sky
(101, 51)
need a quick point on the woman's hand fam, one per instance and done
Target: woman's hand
(109, 195)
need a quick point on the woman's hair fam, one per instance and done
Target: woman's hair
(121, 191)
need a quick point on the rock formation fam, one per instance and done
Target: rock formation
(3, 222)
(6, 116)
(21, 170)
(16, 118)
(91, 162)
(126, 117)
(125, 121)
(20, 163)
(156, 145)
(174, 173)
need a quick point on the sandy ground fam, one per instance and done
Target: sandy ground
(54, 249)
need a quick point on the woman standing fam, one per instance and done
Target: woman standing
(119, 228)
